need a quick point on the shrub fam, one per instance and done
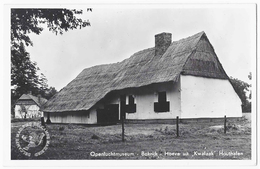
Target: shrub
(61, 128)
(94, 136)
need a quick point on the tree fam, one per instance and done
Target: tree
(43, 86)
(24, 76)
(241, 88)
(23, 72)
(44, 90)
(24, 21)
(50, 92)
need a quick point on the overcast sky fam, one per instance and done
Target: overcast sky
(117, 32)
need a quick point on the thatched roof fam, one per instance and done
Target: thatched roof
(28, 97)
(190, 56)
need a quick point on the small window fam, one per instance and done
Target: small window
(131, 107)
(162, 97)
(162, 105)
(131, 100)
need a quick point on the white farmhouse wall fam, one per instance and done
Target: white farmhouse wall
(145, 102)
(208, 98)
(145, 98)
(83, 117)
(32, 111)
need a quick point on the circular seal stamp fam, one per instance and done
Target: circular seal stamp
(32, 139)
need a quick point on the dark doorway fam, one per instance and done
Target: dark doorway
(108, 115)
(162, 105)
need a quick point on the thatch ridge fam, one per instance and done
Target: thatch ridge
(141, 69)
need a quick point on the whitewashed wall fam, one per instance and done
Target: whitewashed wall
(32, 111)
(208, 98)
(145, 98)
(83, 117)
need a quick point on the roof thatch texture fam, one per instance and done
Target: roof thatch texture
(191, 56)
(27, 97)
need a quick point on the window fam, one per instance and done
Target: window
(131, 100)
(162, 97)
(131, 107)
(162, 105)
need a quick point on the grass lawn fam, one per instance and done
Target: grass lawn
(198, 140)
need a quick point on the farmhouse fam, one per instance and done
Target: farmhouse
(28, 106)
(181, 78)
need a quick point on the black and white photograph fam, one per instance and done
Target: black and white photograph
(173, 83)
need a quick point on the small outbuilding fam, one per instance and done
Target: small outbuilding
(28, 106)
(181, 78)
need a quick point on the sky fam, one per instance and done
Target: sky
(117, 32)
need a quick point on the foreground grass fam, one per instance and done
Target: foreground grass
(197, 141)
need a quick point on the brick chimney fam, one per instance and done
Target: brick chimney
(162, 42)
